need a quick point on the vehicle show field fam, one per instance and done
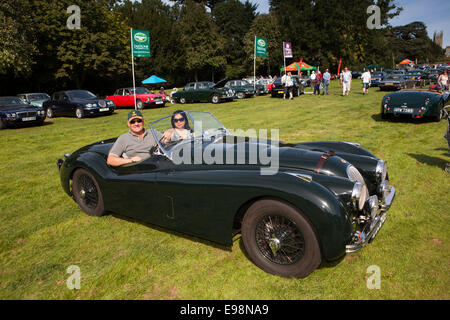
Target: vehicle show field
(43, 232)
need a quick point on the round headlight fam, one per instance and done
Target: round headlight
(354, 175)
(360, 194)
(89, 105)
(381, 171)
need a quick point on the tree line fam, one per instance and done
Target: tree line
(192, 40)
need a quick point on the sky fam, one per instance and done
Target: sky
(434, 13)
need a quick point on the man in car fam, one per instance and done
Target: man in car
(134, 145)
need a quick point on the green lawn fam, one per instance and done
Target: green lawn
(43, 232)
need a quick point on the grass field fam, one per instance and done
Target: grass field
(43, 231)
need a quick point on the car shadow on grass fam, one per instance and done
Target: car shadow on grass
(431, 161)
(172, 232)
(401, 119)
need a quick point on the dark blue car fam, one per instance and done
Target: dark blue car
(15, 112)
(376, 77)
(78, 103)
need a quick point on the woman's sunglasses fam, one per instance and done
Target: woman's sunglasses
(178, 120)
(135, 120)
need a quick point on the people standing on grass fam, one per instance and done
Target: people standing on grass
(312, 79)
(326, 82)
(365, 77)
(443, 80)
(288, 85)
(346, 81)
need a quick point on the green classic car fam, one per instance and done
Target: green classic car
(203, 91)
(416, 103)
(295, 204)
(244, 89)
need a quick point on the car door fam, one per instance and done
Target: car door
(131, 190)
(118, 98)
(57, 104)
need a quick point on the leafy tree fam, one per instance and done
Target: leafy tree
(265, 26)
(202, 45)
(18, 45)
(234, 19)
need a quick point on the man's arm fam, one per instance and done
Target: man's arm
(116, 161)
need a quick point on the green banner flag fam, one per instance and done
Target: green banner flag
(260, 47)
(141, 43)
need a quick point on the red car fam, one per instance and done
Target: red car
(124, 97)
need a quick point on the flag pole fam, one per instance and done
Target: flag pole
(254, 68)
(132, 68)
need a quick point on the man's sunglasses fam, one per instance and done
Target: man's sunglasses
(135, 120)
(178, 120)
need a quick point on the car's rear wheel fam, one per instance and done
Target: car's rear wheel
(280, 240)
(440, 114)
(87, 193)
(182, 100)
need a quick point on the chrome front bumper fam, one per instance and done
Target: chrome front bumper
(369, 233)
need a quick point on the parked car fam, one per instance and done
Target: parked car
(204, 91)
(124, 97)
(416, 75)
(267, 83)
(356, 74)
(278, 90)
(34, 99)
(395, 72)
(324, 200)
(432, 75)
(243, 89)
(376, 77)
(14, 111)
(79, 103)
(395, 82)
(418, 103)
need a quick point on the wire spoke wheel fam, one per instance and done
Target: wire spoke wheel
(279, 240)
(87, 194)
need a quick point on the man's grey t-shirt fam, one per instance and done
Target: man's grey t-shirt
(130, 145)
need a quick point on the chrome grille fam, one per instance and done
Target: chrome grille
(102, 103)
(27, 114)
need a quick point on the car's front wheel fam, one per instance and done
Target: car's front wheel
(139, 104)
(79, 113)
(87, 193)
(215, 98)
(440, 114)
(240, 95)
(182, 100)
(280, 240)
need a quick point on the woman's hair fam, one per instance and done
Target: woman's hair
(186, 121)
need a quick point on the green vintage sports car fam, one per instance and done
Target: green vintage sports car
(295, 204)
(203, 91)
(417, 103)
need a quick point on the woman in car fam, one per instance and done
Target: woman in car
(180, 128)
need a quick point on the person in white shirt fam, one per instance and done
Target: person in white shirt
(346, 81)
(288, 84)
(365, 77)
